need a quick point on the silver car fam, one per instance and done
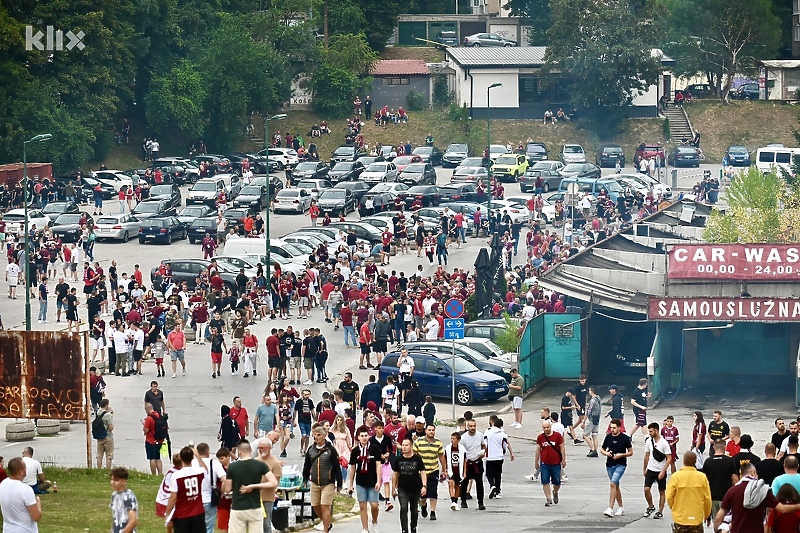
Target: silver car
(296, 200)
(380, 171)
(488, 39)
(314, 186)
(118, 227)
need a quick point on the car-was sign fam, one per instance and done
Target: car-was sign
(725, 309)
(764, 262)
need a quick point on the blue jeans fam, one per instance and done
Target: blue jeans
(461, 233)
(516, 242)
(350, 333)
(400, 330)
(615, 473)
(442, 254)
(211, 517)
(42, 310)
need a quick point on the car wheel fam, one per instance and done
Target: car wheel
(141, 241)
(476, 45)
(546, 187)
(464, 396)
(169, 238)
(193, 241)
(125, 237)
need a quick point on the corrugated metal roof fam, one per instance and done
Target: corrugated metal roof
(485, 57)
(401, 67)
(782, 63)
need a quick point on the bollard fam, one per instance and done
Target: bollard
(674, 179)
(706, 174)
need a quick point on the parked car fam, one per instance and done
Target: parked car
(363, 231)
(336, 201)
(170, 193)
(470, 174)
(462, 350)
(67, 226)
(314, 186)
(699, 90)
(429, 154)
(488, 39)
(684, 156)
(275, 184)
(375, 202)
(347, 153)
(205, 191)
(199, 227)
(518, 212)
(88, 185)
(458, 192)
(536, 151)
(550, 179)
(114, 178)
(473, 162)
(120, 227)
(571, 153)
(488, 328)
(188, 214)
(580, 170)
(608, 155)
(235, 215)
(748, 91)
(403, 161)
(387, 152)
(427, 194)
(253, 196)
(396, 188)
(548, 209)
(292, 200)
(345, 171)
(643, 183)
(509, 167)
(54, 209)
(153, 208)
(592, 186)
(454, 154)
(446, 38)
(434, 374)
(488, 348)
(738, 156)
(645, 150)
(418, 174)
(309, 170)
(188, 270)
(380, 171)
(162, 229)
(367, 160)
(358, 188)
(283, 157)
(218, 163)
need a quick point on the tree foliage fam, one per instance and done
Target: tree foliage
(536, 15)
(342, 73)
(176, 98)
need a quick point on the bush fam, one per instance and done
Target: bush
(665, 128)
(507, 339)
(415, 100)
(441, 92)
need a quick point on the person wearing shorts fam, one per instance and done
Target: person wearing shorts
(617, 447)
(551, 457)
(321, 471)
(364, 475)
(218, 346)
(176, 344)
(515, 389)
(657, 458)
(592, 423)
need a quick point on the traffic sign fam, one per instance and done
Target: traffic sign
(453, 323)
(455, 333)
(453, 308)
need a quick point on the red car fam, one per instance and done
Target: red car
(651, 150)
(403, 161)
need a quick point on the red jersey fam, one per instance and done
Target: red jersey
(187, 483)
(364, 335)
(386, 238)
(302, 288)
(286, 287)
(347, 316)
(273, 345)
(670, 435)
(251, 341)
(550, 452)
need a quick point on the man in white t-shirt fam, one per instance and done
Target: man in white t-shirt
(216, 471)
(496, 441)
(21, 508)
(12, 277)
(34, 475)
(432, 329)
(389, 394)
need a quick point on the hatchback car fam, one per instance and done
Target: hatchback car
(347, 153)
(396, 188)
(403, 161)
(170, 193)
(153, 208)
(470, 174)
(429, 154)
(188, 214)
(428, 195)
(200, 226)
(536, 151)
(283, 157)
(205, 191)
(434, 373)
(608, 155)
(418, 174)
(309, 170)
(115, 178)
(363, 231)
(358, 188)
(336, 201)
(253, 196)
(458, 192)
(314, 186)
(488, 39)
(447, 38)
(345, 171)
(380, 171)
(549, 179)
(580, 170)
(454, 154)
(119, 227)
(292, 200)
(571, 153)
(162, 230)
(748, 91)
(509, 167)
(463, 350)
(189, 270)
(738, 156)
(684, 156)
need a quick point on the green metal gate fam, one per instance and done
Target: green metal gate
(409, 31)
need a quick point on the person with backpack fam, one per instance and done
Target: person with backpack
(156, 430)
(321, 468)
(103, 433)
(229, 431)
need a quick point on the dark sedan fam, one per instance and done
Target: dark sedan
(253, 196)
(345, 171)
(418, 174)
(364, 231)
(192, 212)
(238, 214)
(580, 170)
(336, 201)
(738, 156)
(170, 193)
(429, 154)
(88, 184)
(67, 226)
(372, 203)
(684, 156)
(162, 230)
(458, 192)
(200, 226)
(218, 163)
(428, 195)
(359, 188)
(608, 155)
(53, 209)
(171, 173)
(309, 170)
(153, 208)
(275, 184)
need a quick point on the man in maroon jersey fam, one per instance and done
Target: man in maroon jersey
(303, 310)
(185, 506)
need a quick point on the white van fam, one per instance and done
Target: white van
(777, 157)
(251, 246)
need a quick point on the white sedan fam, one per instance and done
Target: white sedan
(115, 178)
(295, 200)
(548, 209)
(643, 183)
(518, 213)
(15, 220)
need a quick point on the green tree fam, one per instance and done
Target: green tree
(536, 16)
(342, 73)
(604, 50)
(177, 98)
(352, 53)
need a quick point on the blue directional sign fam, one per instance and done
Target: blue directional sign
(451, 334)
(453, 308)
(454, 328)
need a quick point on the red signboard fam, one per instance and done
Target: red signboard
(725, 309)
(764, 262)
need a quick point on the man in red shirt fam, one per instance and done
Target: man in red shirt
(303, 310)
(346, 314)
(176, 345)
(250, 349)
(551, 457)
(365, 342)
(386, 251)
(152, 446)
(239, 415)
(185, 504)
(273, 354)
(286, 286)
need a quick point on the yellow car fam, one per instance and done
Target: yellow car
(509, 167)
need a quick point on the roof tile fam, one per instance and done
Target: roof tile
(401, 67)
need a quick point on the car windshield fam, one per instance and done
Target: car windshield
(251, 190)
(193, 211)
(55, 207)
(536, 148)
(466, 172)
(381, 187)
(471, 162)
(344, 150)
(305, 166)
(403, 160)
(159, 190)
(687, 149)
(463, 366)
(90, 181)
(288, 193)
(421, 189)
(156, 222)
(333, 194)
(422, 150)
(415, 168)
(203, 223)
(107, 220)
(293, 250)
(573, 149)
(201, 186)
(506, 160)
(147, 207)
(612, 149)
(457, 148)
(737, 150)
(573, 167)
(492, 346)
(303, 247)
(14, 216)
(343, 166)
(611, 186)
(377, 167)
(69, 218)
(305, 184)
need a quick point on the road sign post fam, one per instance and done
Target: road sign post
(453, 329)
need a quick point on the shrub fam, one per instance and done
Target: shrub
(415, 100)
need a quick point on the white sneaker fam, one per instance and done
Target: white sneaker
(319, 527)
(609, 512)
(518, 425)
(174, 375)
(453, 506)
(184, 372)
(365, 531)
(532, 477)
(375, 528)
(308, 382)
(620, 511)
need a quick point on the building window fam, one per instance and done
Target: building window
(796, 7)
(396, 81)
(797, 32)
(533, 89)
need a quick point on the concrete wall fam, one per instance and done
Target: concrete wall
(395, 95)
(506, 96)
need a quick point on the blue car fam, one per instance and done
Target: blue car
(433, 371)
(738, 156)
(162, 230)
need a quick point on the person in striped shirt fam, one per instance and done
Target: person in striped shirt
(431, 450)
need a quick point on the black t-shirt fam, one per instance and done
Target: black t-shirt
(304, 409)
(72, 303)
(742, 458)
(154, 399)
(566, 407)
(216, 343)
(616, 405)
(61, 291)
(619, 444)
(409, 469)
(219, 324)
(718, 430)
(311, 345)
(769, 469)
(385, 445)
(581, 391)
(719, 469)
(349, 390)
(366, 476)
(297, 347)
(777, 439)
(639, 396)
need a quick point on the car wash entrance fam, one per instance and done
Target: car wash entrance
(618, 346)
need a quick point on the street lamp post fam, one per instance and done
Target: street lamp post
(269, 196)
(39, 138)
(489, 144)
